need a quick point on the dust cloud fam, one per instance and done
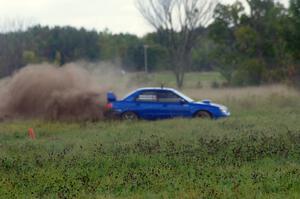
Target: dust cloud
(53, 93)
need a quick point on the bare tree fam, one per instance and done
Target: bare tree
(177, 23)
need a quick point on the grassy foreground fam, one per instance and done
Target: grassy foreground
(253, 154)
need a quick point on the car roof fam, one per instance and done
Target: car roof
(159, 89)
(155, 88)
(149, 89)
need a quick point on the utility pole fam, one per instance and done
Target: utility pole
(146, 57)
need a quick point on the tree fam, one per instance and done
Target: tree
(252, 46)
(177, 23)
(227, 18)
(12, 44)
(125, 50)
(293, 38)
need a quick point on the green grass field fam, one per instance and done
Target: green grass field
(253, 154)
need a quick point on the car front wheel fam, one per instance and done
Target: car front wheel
(203, 115)
(129, 116)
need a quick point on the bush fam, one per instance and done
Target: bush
(215, 84)
(251, 72)
(29, 57)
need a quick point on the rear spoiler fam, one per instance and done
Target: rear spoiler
(111, 97)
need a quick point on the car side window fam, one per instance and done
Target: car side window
(168, 97)
(147, 96)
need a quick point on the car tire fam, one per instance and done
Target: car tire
(203, 115)
(129, 116)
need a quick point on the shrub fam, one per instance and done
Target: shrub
(215, 84)
(251, 72)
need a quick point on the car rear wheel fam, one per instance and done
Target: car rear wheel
(129, 116)
(203, 115)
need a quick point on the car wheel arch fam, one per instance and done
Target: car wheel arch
(202, 110)
(129, 111)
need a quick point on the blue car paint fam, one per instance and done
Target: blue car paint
(187, 108)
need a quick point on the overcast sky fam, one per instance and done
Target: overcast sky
(116, 15)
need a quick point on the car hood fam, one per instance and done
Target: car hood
(209, 103)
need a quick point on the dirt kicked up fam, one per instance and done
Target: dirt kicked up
(48, 92)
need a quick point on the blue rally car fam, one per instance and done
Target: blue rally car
(161, 103)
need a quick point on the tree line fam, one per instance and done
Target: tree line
(249, 44)
(258, 46)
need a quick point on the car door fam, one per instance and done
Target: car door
(148, 107)
(174, 105)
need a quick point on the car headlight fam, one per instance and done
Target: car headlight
(224, 109)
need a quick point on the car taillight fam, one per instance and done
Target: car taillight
(108, 106)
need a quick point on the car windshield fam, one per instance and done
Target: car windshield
(184, 96)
